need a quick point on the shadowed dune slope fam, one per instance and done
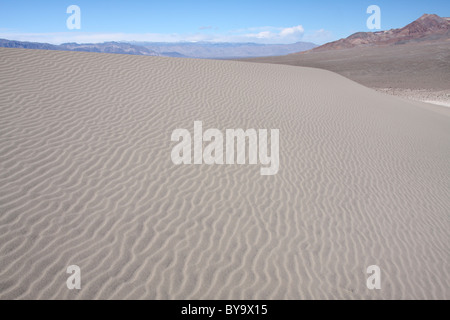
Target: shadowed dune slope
(86, 178)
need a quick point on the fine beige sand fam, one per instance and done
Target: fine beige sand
(86, 179)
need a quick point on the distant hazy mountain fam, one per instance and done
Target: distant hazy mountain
(429, 27)
(183, 49)
(224, 50)
(108, 47)
(27, 45)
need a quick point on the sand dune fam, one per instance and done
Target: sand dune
(86, 178)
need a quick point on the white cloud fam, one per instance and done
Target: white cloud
(291, 31)
(319, 36)
(277, 35)
(262, 35)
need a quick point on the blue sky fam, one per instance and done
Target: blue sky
(264, 21)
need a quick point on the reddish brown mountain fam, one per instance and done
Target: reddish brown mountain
(428, 27)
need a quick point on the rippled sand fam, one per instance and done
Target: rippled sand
(86, 178)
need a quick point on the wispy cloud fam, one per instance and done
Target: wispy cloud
(276, 35)
(257, 34)
(319, 36)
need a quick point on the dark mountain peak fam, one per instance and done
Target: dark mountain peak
(429, 17)
(427, 23)
(428, 27)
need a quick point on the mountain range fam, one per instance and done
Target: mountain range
(429, 27)
(211, 50)
(178, 49)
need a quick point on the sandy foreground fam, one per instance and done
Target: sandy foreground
(86, 179)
